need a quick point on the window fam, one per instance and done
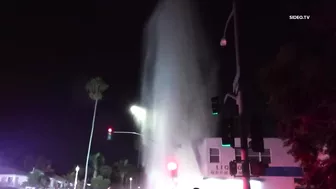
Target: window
(264, 157)
(214, 155)
(16, 180)
(10, 180)
(3, 179)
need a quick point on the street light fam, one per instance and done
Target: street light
(139, 113)
(76, 176)
(130, 179)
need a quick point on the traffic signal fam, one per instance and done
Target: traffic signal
(172, 168)
(215, 105)
(109, 133)
(257, 140)
(257, 168)
(233, 168)
(227, 132)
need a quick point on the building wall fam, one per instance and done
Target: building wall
(279, 154)
(280, 174)
(12, 179)
(16, 180)
(202, 149)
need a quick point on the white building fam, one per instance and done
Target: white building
(10, 177)
(214, 161)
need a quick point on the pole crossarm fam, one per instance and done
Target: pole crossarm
(128, 132)
(228, 95)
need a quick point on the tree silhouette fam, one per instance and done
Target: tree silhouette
(100, 183)
(37, 179)
(72, 174)
(97, 160)
(302, 96)
(95, 87)
(40, 162)
(105, 171)
(123, 168)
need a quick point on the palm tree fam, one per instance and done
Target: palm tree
(40, 162)
(72, 174)
(123, 169)
(95, 88)
(105, 171)
(38, 179)
(100, 183)
(97, 160)
(44, 165)
(33, 179)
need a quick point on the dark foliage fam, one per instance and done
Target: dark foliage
(301, 88)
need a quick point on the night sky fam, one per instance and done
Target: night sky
(50, 49)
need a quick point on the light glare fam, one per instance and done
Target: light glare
(171, 166)
(212, 183)
(139, 113)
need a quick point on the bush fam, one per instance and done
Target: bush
(100, 183)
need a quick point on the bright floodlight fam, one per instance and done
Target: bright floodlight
(130, 178)
(77, 168)
(110, 130)
(139, 113)
(171, 166)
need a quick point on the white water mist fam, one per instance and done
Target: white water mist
(178, 79)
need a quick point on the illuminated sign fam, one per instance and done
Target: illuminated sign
(223, 170)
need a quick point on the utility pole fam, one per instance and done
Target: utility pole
(238, 85)
(239, 101)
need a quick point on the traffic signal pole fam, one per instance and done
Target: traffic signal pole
(237, 96)
(243, 137)
(237, 87)
(127, 132)
(243, 144)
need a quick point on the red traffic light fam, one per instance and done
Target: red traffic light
(110, 130)
(171, 166)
